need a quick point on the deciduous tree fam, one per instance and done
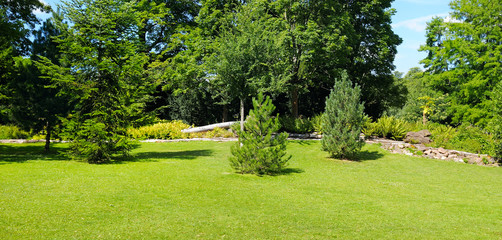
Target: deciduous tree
(464, 58)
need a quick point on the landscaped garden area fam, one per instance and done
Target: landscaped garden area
(187, 190)
(256, 119)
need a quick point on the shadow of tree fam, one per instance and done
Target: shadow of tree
(368, 156)
(306, 142)
(181, 155)
(25, 152)
(289, 171)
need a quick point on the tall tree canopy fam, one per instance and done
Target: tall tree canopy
(103, 69)
(465, 58)
(16, 19)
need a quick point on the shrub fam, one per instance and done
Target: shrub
(471, 139)
(258, 150)
(390, 127)
(218, 132)
(496, 124)
(342, 120)
(12, 132)
(441, 135)
(296, 125)
(369, 129)
(317, 123)
(162, 130)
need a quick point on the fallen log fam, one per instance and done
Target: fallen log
(210, 127)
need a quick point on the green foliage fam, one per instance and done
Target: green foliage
(441, 134)
(472, 139)
(104, 73)
(217, 133)
(260, 149)
(163, 130)
(12, 132)
(390, 127)
(386, 127)
(245, 61)
(464, 58)
(302, 124)
(317, 123)
(342, 120)
(296, 125)
(463, 138)
(496, 124)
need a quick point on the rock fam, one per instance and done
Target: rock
(421, 137)
(442, 151)
(421, 147)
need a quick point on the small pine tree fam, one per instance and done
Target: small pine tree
(259, 150)
(342, 120)
(497, 121)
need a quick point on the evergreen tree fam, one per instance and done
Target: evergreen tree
(259, 150)
(342, 120)
(103, 70)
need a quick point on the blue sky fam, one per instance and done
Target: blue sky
(409, 23)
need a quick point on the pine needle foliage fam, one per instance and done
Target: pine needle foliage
(342, 120)
(259, 150)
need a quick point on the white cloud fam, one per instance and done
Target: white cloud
(417, 24)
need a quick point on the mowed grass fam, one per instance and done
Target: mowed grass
(187, 190)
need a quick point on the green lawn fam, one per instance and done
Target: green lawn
(188, 190)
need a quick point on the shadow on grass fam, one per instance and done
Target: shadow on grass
(363, 156)
(306, 142)
(156, 156)
(289, 171)
(20, 153)
(368, 156)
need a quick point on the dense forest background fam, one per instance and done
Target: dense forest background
(112, 64)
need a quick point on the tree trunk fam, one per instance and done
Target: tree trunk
(48, 137)
(242, 114)
(225, 114)
(294, 102)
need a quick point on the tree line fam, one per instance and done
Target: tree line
(97, 67)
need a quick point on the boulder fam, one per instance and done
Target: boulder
(421, 137)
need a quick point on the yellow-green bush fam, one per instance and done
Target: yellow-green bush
(163, 130)
(172, 130)
(12, 132)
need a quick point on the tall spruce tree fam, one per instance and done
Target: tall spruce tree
(103, 71)
(259, 149)
(342, 120)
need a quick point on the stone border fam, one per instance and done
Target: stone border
(421, 150)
